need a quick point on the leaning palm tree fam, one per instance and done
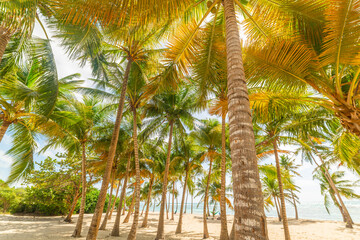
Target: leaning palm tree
(345, 188)
(167, 112)
(209, 138)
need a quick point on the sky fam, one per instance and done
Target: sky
(310, 189)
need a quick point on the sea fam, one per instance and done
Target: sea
(306, 210)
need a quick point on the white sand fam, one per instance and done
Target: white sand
(29, 228)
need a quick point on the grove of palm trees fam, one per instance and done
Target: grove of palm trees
(219, 119)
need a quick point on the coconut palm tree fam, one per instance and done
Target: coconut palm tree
(290, 166)
(167, 112)
(28, 93)
(75, 138)
(344, 187)
(208, 137)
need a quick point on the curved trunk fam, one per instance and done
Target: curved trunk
(103, 225)
(173, 200)
(160, 230)
(131, 209)
(338, 205)
(347, 216)
(145, 221)
(224, 235)
(4, 127)
(179, 226)
(277, 208)
(282, 197)
(114, 202)
(77, 231)
(167, 208)
(154, 205)
(116, 229)
(142, 211)
(132, 234)
(248, 199)
(206, 231)
(4, 40)
(295, 207)
(95, 222)
(73, 205)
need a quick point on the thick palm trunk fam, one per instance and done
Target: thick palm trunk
(103, 225)
(77, 231)
(282, 197)
(224, 235)
(173, 201)
(145, 221)
(295, 206)
(4, 127)
(277, 208)
(131, 209)
(95, 222)
(206, 231)
(179, 226)
(248, 199)
(114, 202)
(4, 40)
(160, 231)
(73, 205)
(132, 234)
(116, 229)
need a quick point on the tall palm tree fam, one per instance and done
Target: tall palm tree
(167, 112)
(209, 138)
(185, 155)
(345, 188)
(290, 166)
(89, 113)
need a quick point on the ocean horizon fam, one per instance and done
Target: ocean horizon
(306, 210)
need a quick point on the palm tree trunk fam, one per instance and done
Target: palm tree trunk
(77, 231)
(154, 205)
(186, 201)
(192, 203)
(73, 205)
(95, 222)
(173, 200)
(116, 229)
(160, 230)
(4, 127)
(338, 205)
(206, 231)
(349, 221)
(232, 233)
(132, 234)
(167, 208)
(224, 235)
(142, 211)
(145, 221)
(4, 40)
(295, 207)
(248, 199)
(179, 226)
(114, 202)
(277, 208)
(131, 209)
(282, 197)
(103, 225)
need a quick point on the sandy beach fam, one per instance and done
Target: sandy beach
(29, 227)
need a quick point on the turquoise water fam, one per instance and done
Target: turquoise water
(306, 210)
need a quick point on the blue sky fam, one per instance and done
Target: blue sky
(310, 190)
